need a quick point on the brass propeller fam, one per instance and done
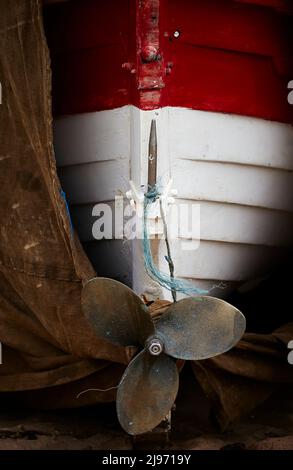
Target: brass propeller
(194, 328)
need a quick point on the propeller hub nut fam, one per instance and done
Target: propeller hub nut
(155, 346)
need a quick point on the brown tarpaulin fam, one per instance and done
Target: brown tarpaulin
(48, 347)
(46, 340)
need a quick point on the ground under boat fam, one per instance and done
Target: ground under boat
(214, 75)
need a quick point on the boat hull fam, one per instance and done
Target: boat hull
(214, 76)
(236, 170)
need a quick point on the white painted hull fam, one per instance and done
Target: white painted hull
(238, 168)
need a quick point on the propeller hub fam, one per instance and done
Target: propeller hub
(154, 346)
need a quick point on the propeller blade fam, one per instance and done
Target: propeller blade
(146, 392)
(200, 327)
(116, 312)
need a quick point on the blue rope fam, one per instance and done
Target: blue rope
(163, 279)
(67, 208)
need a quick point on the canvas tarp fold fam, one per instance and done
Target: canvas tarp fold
(238, 381)
(45, 338)
(49, 351)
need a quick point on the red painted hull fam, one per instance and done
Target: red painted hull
(230, 56)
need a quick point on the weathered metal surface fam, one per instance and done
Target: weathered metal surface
(146, 392)
(150, 75)
(154, 346)
(158, 437)
(152, 156)
(194, 328)
(200, 327)
(116, 312)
